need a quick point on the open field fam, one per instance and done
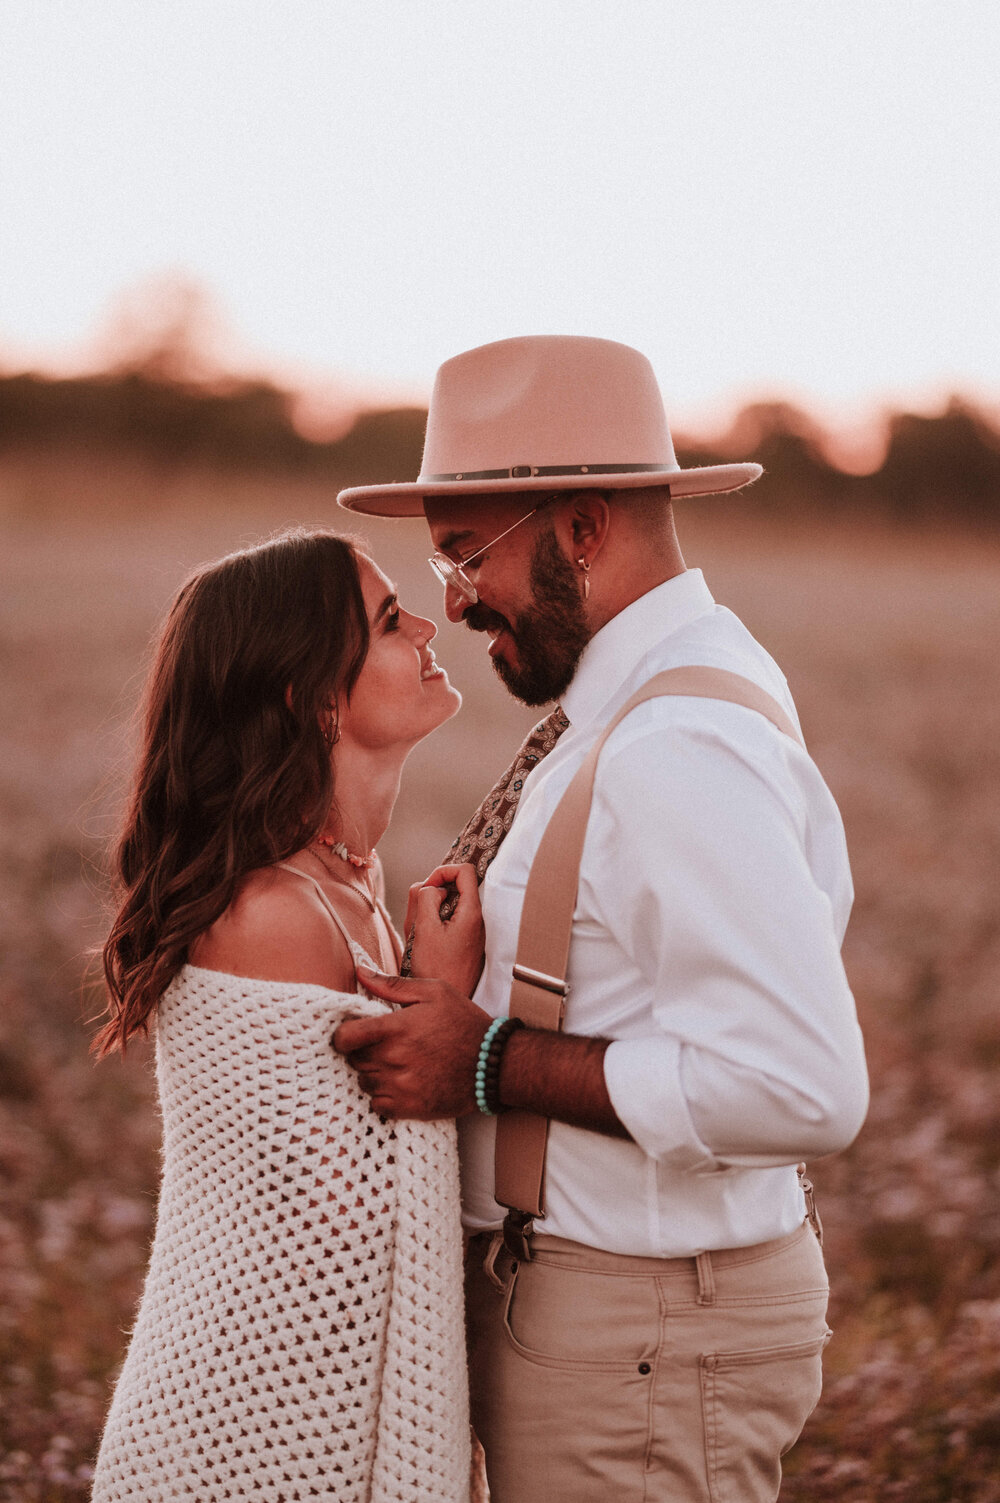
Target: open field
(890, 641)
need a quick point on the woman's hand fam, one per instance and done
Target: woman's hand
(448, 949)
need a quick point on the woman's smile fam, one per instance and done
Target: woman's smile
(431, 669)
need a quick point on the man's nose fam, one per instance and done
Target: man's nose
(455, 604)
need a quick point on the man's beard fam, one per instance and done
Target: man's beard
(550, 636)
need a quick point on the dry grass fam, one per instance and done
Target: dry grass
(888, 639)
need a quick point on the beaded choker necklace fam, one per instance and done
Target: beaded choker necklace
(339, 849)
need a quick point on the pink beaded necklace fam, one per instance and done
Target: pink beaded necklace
(339, 849)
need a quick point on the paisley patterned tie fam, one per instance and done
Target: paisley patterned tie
(485, 831)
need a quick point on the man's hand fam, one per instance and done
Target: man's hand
(419, 1062)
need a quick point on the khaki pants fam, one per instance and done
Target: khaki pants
(598, 1378)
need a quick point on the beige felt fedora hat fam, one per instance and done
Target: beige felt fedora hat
(545, 412)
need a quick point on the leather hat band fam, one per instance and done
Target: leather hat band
(526, 471)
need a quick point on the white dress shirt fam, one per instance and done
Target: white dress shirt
(714, 894)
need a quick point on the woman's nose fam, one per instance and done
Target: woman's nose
(427, 628)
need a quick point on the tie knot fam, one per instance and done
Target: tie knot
(547, 732)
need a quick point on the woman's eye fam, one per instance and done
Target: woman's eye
(392, 619)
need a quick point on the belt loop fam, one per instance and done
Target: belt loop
(812, 1210)
(706, 1278)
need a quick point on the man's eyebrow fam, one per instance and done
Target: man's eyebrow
(449, 543)
(385, 607)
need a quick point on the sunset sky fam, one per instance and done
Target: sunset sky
(766, 196)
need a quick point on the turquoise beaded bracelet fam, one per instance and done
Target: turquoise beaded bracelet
(491, 1052)
(484, 1051)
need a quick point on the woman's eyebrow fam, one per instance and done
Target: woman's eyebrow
(387, 605)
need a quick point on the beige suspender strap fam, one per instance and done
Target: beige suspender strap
(538, 992)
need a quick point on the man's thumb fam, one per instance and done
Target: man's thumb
(402, 989)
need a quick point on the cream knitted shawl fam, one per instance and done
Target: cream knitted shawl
(300, 1335)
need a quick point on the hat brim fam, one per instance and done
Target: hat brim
(407, 500)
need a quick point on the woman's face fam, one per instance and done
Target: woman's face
(401, 694)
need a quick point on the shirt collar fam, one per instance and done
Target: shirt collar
(618, 648)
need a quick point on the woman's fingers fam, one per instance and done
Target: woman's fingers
(447, 927)
(445, 876)
(458, 886)
(411, 906)
(466, 880)
(429, 900)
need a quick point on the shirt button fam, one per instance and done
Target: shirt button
(645, 1368)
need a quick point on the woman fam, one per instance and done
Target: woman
(300, 1333)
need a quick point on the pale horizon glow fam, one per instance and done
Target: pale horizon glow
(768, 200)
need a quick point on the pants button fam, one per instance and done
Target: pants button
(645, 1368)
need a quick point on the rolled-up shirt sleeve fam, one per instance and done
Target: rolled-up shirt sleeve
(717, 887)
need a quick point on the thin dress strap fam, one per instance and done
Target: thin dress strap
(358, 952)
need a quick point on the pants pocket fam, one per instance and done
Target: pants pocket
(581, 1321)
(754, 1405)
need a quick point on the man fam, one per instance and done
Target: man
(658, 1334)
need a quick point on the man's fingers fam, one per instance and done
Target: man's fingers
(359, 1033)
(401, 989)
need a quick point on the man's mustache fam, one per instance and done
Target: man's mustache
(479, 617)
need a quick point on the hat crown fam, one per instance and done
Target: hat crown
(545, 401)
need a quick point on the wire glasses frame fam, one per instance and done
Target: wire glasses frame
(451, 573)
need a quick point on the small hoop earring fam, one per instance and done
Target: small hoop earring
(585, 566)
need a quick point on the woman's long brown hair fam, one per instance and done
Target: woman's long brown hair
(234, 769)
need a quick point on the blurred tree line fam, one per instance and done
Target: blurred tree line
(232, 425)
(945, 466)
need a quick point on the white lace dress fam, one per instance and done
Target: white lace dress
(301, 1332)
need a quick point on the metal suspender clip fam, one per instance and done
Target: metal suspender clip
(517, 1228)
(539, 978)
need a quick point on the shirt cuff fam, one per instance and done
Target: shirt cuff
(643, 1078)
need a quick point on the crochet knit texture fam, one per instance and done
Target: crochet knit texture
(301, 1333)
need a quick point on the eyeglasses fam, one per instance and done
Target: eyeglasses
(451, 573)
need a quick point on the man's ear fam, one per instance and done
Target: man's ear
(588, 519)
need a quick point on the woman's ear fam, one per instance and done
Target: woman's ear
(330, 721)
(329, 717)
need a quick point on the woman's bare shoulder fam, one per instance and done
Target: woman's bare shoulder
(276, 929)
